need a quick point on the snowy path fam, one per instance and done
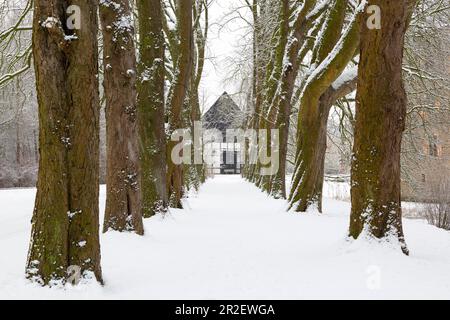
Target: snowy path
(232, 241)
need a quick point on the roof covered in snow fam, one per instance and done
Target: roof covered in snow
(224, 114)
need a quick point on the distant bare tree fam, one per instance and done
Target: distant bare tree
(438, 212)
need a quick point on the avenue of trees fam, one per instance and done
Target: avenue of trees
(144, 45)
(320, 52)
(308, 57)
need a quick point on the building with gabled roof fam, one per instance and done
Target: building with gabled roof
(225, 157)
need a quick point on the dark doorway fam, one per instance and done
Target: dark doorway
(229, 163)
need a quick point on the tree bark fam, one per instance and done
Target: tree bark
(151, 107)
(380, 121)
(273, 76)
(306, 189)
(65, 226)
(194, 174)
(177, 97)
(123, 195)
(283, 99)
(249, 168)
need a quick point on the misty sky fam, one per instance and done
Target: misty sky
(224, 43)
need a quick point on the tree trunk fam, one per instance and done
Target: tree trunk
(273, 76)
(178, 94)
(65, 230)
(257, 77)
(380, 121)
(123, 195)
(310, 160)
(315, 103)
(194, 174)
(151, 107)
(284, 97)
(313, 183)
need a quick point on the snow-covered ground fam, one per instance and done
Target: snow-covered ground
(232, 241)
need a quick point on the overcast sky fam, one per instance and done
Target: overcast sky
(223, 44)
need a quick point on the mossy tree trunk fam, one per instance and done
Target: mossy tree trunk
(315, 103)
(282, 100)
(150, 87)
(273, 76)
(253, 117)
(264, 63)
(380, 121)
(262, 66)
(177, 96)
(195, 174)
(65, 223)
(123, 196)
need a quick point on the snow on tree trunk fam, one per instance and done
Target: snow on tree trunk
(177, 97)
(273, 75)
(380, 121)
(282, 101)
(194, 174)
(150, 88)
(65, 223)
(123, 195)
(258, 71)
(306, 188)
